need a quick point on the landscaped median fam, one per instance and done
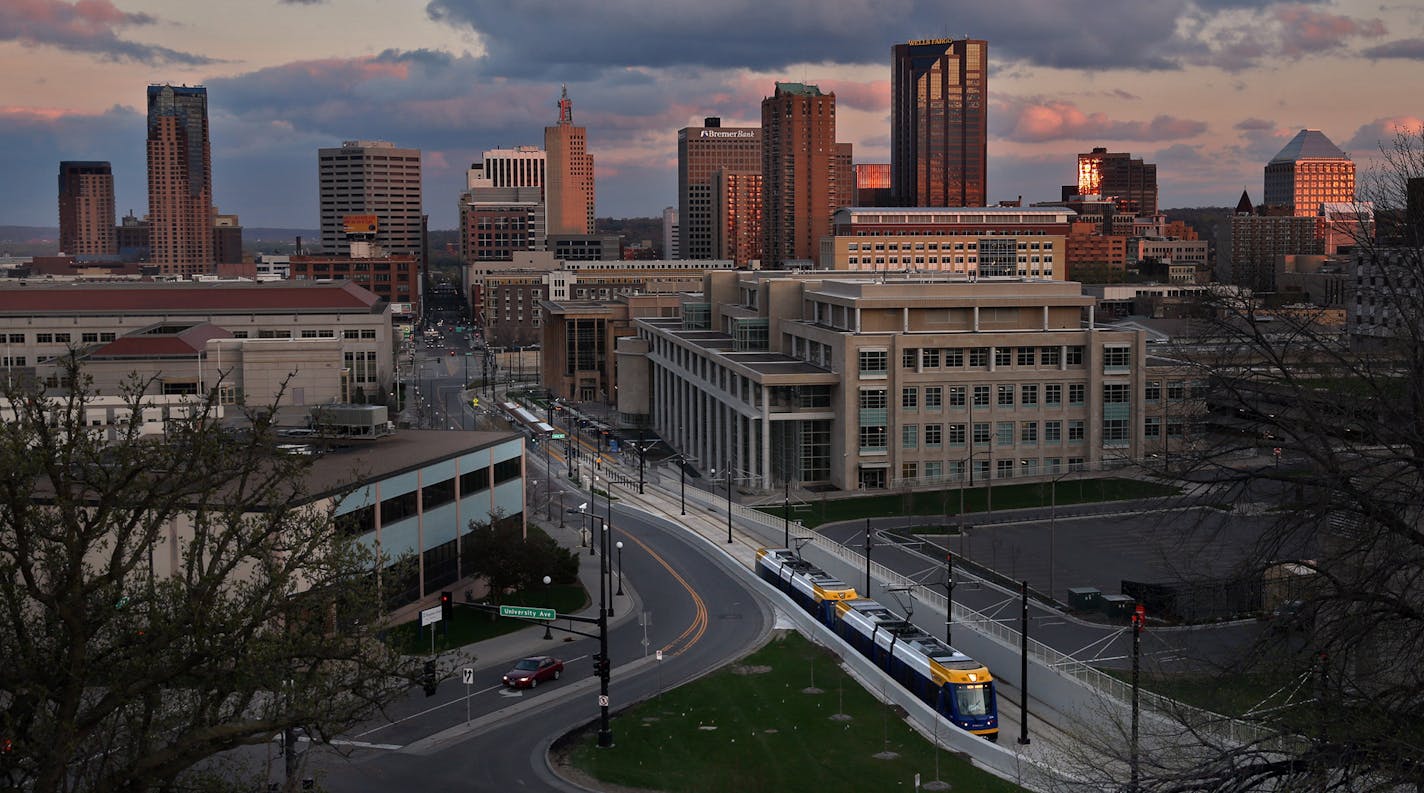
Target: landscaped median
(785, 719)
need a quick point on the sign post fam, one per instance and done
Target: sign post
(469, 676)
(429, 617)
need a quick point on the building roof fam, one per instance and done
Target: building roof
(1309, 144)
(29, 298)
(398, 453)
(798, 88)
(162, 340)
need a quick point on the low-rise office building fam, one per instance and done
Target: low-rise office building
(873, 383)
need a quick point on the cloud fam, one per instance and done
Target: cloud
(86, 26)
(1412, 49)
(1249, 124)
(1305, 31)
(1381, 132)
(300, 2)
(36, 139)
(1037, 120)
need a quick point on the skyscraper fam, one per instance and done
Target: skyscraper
(371, 180)
(701, 153)
(180, 180)
(806, 175)
(86, 209)
(1308, 172)
(939, 109)
(522, 166)
(569, 179)
(1118, 175)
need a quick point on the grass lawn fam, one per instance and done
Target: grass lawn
(976, 499)
(473, 625)
(751, 727)
(1234, 694)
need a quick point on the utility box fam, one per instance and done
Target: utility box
(1117, 606)
(1084, 598)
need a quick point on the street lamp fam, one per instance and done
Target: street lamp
(547, 580)
(727, 471)
(620, 568)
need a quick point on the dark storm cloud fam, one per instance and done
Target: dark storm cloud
(86, 26)
(35, 141)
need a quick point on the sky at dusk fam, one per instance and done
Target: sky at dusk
(1208, 89)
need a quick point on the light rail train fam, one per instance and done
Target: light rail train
(955, 685)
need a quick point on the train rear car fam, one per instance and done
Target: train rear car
(810, 587)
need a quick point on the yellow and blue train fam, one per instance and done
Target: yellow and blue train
(955, 685)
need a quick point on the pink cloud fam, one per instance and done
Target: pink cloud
(1305, 30)
(1037, 120)
(872, 95)
(90, 26)
(1381, 132)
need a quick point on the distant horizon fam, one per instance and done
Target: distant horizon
(1207, 91)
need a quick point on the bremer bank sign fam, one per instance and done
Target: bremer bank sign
(728, 133)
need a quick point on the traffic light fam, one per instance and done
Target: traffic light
(447, 605)
(427, 680)
(597, 665)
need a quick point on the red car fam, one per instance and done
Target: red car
(528, 672)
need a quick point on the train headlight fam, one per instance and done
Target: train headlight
(973, 677)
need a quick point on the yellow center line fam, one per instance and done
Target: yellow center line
(695, 630)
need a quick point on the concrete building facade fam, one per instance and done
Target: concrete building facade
(371, 178)
(871, 384)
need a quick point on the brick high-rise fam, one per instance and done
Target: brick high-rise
(939, 110)
(568, 186)
(86, 209)
(180, 180)
(806, 175)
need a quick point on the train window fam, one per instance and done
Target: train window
(971, 700)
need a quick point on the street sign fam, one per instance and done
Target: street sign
(430, 616)
(558, 436)
(603, 700)
(469, 675)
(528, 613)
(660, 655)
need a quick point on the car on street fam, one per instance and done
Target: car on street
(528, 672)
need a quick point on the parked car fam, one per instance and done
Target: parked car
(529, 671)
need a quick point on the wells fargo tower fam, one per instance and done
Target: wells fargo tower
(939, 123)
(180, 180)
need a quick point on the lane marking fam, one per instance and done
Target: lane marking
(695, 630)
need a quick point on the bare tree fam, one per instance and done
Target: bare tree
(167, 598)
(1345, 408)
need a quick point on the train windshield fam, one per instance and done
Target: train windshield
(972, 700)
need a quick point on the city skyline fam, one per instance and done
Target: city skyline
(1207, 91)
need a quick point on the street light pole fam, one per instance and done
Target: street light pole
(605, 733)
(1139, 616)
(548, 635)
(949, 599)
(606, 563)
(729, 503)
(786, 516)
(867, 557)
(682, 480)
(620, 568)
(1023, 668)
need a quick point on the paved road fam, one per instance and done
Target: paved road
(702, 615)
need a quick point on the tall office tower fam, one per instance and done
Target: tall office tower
(1308, 172)
(180, 180)
(805, 174)
(1117, 175)
(701, 153)
(939, 133)
(672, 236)
(227, 239)
(370, 183)
(522, 166)
(86, 209)
(568, 186)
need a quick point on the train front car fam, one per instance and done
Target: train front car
(812, 588)
(956, 686)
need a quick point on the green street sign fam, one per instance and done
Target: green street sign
(528, 613)
(558, 436)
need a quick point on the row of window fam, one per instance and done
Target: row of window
(982, 433)
(955, 470)
(981, 396)
(58, 338)
(406, 505)
(921, 358)
(1046, 245)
